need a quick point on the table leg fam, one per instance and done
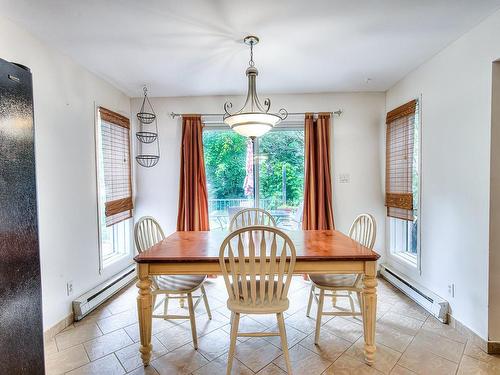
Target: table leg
(144, 309)
(370, 310)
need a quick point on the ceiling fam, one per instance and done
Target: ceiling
(194, 47)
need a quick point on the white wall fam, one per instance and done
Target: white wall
(356, 150)
(456, 106)
(64, 96)
(494, 268)
(456, 118)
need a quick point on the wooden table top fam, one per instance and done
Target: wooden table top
(310, 245)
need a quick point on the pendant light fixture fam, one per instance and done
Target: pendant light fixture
(254, 119)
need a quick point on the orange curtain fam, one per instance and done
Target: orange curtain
(318, 210)
(193, 196)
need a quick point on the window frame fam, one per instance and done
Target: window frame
(213, 125)
(123, 259)
(398, 259)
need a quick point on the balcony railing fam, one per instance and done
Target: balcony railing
(221, 205)
(219, 211)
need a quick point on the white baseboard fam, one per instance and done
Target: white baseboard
(436, 305)
(490, 347)
(51, 332)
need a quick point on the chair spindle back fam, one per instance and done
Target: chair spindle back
(364, 230)
(251, 216)
(147, 232)
(257, 263)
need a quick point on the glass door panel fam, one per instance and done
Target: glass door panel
(229, 171)
(280, 162)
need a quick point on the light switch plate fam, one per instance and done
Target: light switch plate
(344, 178)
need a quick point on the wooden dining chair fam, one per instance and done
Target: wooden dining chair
(148, 232)
(293, 222)
(364, 231)
(257, 263)
(251, 216)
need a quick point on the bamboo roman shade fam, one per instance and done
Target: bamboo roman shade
(115, 143)
(399, 161)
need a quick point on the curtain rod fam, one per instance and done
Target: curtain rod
(337, 113)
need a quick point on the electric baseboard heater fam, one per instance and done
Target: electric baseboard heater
(434, 304)
(89, 301)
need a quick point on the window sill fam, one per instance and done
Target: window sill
(408, 258)
(407, 264)
(113, 259)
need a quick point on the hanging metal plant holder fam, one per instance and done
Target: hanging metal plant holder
(147, 161)
(147, 137)
(146, 115)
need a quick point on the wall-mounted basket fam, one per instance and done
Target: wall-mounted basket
(147, 137)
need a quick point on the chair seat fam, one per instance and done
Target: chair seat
(260, 307)
(180, 283)
(331, 281)
(267, 308)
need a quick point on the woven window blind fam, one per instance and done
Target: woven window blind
(115, 143)
(399, 161)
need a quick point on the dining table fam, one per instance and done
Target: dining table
(197, 253)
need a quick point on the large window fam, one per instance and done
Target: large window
(114, 186)
(403, 182)
(268, 174)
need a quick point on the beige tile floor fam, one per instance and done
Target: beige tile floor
(409, 341)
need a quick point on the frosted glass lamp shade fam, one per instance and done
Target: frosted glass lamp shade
(252, 124)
